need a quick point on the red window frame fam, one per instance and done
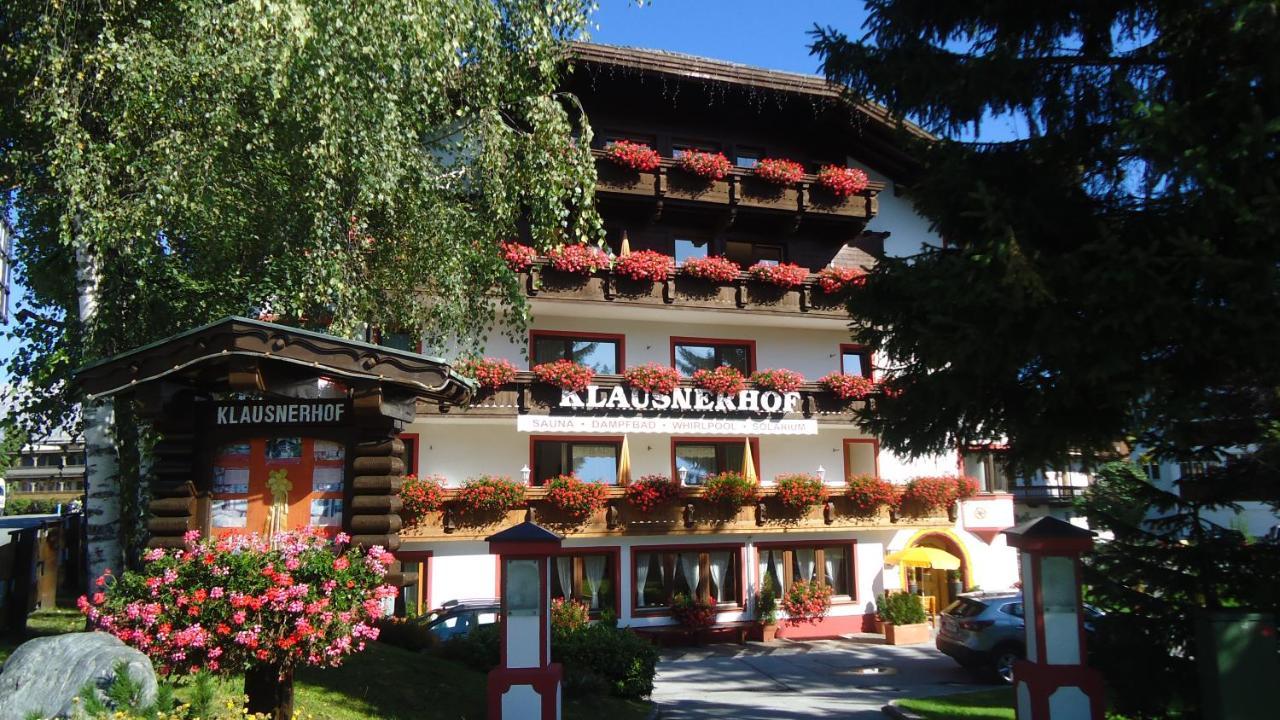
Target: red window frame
(686, 340)
(709, 547)
(411, 467)
(709, 440)
(596, 439)
(875, 449)
(851, 546)
(616, 553)
(621, 340)
(860, 350)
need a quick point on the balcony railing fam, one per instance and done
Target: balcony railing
(1047, 494)
(679, 290)
(740, 189)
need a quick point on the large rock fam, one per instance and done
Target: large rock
(46, 674)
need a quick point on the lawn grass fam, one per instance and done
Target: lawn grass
(982, 705)
(381, 683)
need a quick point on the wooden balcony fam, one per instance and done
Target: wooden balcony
(742, 294)
(687, 515)
(741, 189)
(527, 395)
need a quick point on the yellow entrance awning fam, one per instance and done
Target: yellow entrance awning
(927, 556)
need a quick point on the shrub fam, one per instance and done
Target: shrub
(600, 658)
(490, 494)
(767, 602)
(806, 602)
(575, 497)
(848, 387)
(868, 493)
(634, 155)
(405, 634)
(518, 257)
(653, 377)
(651, 491)
(491, 373)
(579, 259)
(568, 616)
(714, 269)
(724, 380)
(779, 170)
(731, 488)
(480, 649)
(901, 608)
(779, 380)
(420, 496)
(565, 374)
(842, 181)
(798, 491)
(693, 613)
(709, 165)
(833, 279)
(784, 275)
(644, 265)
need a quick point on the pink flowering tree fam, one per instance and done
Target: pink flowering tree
(242, 604)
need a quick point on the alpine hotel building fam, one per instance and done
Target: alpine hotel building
(633, 562)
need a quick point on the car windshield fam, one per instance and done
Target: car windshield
(965, 607)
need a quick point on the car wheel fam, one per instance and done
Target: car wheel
(1004, 658)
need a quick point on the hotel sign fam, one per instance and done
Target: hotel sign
(314, 412)
(694, 400)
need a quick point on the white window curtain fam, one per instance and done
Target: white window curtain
(692, 571)
(642, 576)
(765, 557)
(834, 560)
(564, 570)
(804, 558)
(593, 569)
(778, 575)
(719, 564)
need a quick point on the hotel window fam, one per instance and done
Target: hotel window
(76, 458)
(680, 147)
(855, 360)
(748, 157)
(414, 595)
(988, 469)
(591, 460)
(587, 578)
(410, 455)
(710, 575)
(860, 458)
(600, 353)
(831, 565)
(747, 254)
(610, 136)
(691, 356)
(703, 458)
(685, 248)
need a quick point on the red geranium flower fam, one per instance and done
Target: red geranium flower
(636, 156)
(842, 181)
(779, 170)
(715, 269)
(644, 265)
(784, 275)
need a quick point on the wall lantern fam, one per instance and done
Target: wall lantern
(1055, 681)
(524, 474)
(822, 473)
(683, 472)
(526, 684)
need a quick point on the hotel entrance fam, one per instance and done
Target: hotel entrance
(934, 567)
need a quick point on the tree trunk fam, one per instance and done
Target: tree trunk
(268, 691)
(102, 496)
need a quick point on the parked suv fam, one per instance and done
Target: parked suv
(459, 617)
(983, 629)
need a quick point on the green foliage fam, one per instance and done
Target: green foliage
(1113, 272)
(203, 692)
(12, 438)
(1165, 565)
(404, 633)
(767, 602)
(330, 163)
(480, 649)
(123, 698)
(568, 617)
(901, 608)
(617, 660)
(30, 506)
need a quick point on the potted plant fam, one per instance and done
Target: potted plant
(806, 601)
(578, 499)
(652, 491)
(928, 495)
(848, 387)
(420, 497)
(779, 380)
(706, 165)
(565, 374)
(490, 494)
(643, 266)
(767, 609)
(633, 155)
(579, 259)
(833, 280)
(842, 181)
(783, 275)
(711, 268)
(867, 493)
(693, 613)
(731, 488)
(798, 491)
(904, 618)
(652, 377)
(724, 380)
(490, 373)
(518, 257)
(780, 171)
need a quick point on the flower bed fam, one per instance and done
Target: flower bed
(867, 493)
(848, 387)
(712, 166)
(779, 380)
(842, 181)
(490, 494)
(806, 602)
(833, 280)
(577, 498)
(783, 275)
(724, 380)
(565, 374)
(643, 265)
(652, 377)
(579, 259)
(799, 491)
(491, 373)
(420, 497)
(651, 492)
(714, 269)
(633, 155)
(731, 488)
(518, 257)
(779, 170)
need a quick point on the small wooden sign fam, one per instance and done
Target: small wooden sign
(278, 413)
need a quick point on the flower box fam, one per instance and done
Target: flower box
(686, 186)
(760, 193)
(914, 634)
(614, 178)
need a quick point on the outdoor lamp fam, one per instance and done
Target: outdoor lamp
(822, 473)
(683, 472)
(524, 474)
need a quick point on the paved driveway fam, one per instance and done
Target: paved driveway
(805, 679)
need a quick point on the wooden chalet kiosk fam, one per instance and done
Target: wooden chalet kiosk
(266, 427)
